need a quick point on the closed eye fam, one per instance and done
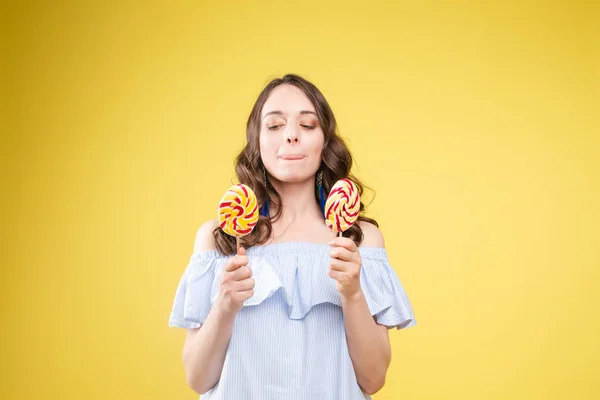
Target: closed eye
(275, 127)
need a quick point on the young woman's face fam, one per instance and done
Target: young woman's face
(291, 138)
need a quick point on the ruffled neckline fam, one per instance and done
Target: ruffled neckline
(297, 270)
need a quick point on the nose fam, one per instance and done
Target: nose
(291, 135)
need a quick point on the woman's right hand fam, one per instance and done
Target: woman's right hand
(237, 284)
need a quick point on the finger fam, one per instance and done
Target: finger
(229, 266)
(339, 265)
(341, 253)
(244, 285)
(243, 272)
(344, 242)
(244, 295)
(239, 261)
(236, 261)
(337, 275)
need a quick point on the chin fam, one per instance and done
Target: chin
(292, 177)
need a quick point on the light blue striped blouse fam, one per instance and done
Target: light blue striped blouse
(288, 340)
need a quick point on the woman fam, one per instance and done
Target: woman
(301, 314)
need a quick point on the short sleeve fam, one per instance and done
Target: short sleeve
(387, 300)
(192, 301)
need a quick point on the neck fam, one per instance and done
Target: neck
(298, 199)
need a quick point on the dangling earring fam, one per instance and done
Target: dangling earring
(264, 210)
(321, 191)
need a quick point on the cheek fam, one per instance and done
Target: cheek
(315, 145)
(269, 145)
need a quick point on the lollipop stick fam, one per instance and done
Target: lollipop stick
(340, 234)
(237, 244)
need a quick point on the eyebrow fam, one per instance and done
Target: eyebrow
(303, 112)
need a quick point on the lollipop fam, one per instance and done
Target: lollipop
(342, 206)
(238, 211)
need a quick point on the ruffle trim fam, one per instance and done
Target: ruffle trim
(300, 270)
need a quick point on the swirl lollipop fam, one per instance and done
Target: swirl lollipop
(238, 211)
(342, 206)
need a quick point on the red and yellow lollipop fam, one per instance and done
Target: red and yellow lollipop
(238, 211)
(342, 206)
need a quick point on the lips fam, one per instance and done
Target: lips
(291, 157)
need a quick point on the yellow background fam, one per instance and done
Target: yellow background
(475, 122)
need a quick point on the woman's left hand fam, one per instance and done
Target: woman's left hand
(344, 266)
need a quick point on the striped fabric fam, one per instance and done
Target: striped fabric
(288, 340)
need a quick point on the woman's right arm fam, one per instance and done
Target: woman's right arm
(205, 347)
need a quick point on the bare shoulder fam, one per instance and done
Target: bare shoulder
(372, 236)
(205, 241)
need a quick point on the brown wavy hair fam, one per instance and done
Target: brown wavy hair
(336, 164)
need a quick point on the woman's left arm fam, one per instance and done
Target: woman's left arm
(368, 342)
